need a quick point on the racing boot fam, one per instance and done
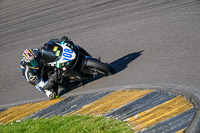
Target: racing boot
(51, 93)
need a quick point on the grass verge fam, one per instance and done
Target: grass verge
(67, 124)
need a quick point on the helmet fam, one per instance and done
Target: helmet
(29, 56)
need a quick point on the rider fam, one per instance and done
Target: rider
(34, 72)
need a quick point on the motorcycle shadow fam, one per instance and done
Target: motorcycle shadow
(119, 65)
(122, 63)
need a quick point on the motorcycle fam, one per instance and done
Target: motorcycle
(72, 62)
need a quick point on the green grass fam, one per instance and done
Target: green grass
(67, 124)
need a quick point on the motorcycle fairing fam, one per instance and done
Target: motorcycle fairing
(67, 54)
(48, 53)
(58, 54)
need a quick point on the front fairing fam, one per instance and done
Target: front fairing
(51, 53)
(59, 54)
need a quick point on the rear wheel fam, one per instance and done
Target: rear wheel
(99, 67)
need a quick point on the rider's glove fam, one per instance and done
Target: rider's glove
(64, 38)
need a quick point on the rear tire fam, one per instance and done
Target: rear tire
(99, 67)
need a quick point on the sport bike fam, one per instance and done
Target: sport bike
(72, 62)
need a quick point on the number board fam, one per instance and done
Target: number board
(67, 55)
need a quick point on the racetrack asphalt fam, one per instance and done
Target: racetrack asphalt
(148, 42)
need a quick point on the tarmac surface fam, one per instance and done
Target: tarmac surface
(167, 32)
(150, 43)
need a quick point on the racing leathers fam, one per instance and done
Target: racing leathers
(39, 76)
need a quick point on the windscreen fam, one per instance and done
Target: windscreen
(51, 53)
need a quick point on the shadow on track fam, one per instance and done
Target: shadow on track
(122, 63)
(119, 65)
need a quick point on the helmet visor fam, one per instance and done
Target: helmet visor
(33, 63)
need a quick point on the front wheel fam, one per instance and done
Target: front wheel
(99, 67)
